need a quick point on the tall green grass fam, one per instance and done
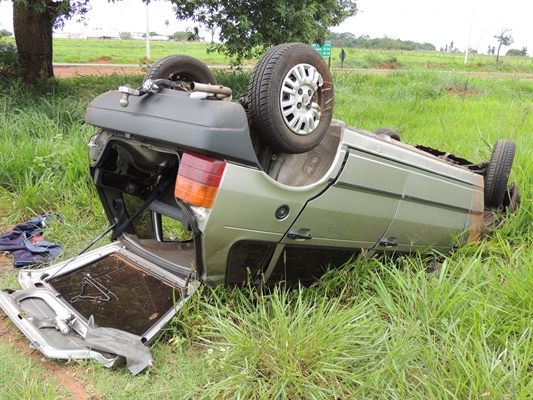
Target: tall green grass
(43, 156)
(438, 109)
(380, 329)
(134, 52)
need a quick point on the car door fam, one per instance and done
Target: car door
(346, 219)
(358, 207)
(435, 209)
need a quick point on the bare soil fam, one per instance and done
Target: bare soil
(63, 71)
(63, 371)
(77, 70)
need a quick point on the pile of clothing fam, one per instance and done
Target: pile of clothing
(27, 245)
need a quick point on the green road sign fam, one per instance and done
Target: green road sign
(325, 51)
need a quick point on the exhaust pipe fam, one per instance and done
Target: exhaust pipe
(220, 92)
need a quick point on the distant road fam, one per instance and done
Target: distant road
(65, 70)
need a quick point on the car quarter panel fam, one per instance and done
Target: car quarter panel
(434, 211)
(245, 209)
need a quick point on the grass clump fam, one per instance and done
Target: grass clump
(26, 380)
(295, 345)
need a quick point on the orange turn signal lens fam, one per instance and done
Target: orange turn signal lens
(198, 179)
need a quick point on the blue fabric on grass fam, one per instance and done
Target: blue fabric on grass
(27, 245)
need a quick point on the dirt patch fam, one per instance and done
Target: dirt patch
(463, 91)
(10, 334)
(69, 71)
(4, 260)
(103, 59)
(389, 66)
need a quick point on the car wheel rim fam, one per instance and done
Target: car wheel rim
(298, 96)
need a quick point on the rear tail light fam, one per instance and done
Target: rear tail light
(198, 179)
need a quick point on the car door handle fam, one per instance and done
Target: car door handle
(389, 242)
(295, 235)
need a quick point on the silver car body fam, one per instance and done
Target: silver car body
(354, 195)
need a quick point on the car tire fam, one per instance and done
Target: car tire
(291, 98)
(498, 170)
(180, 67)
(388, 132)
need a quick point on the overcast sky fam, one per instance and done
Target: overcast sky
(435, 21)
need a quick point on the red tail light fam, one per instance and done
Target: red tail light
(198, 179)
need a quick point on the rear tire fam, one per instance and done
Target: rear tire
(388, 132)
(291, 98)
(180, 67)
(498, 171)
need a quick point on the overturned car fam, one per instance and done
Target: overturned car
(271, 188)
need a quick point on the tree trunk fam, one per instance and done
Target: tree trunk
(33, 36)
(498, 53)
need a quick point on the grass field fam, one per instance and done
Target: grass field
(379, 329)
(134, 52)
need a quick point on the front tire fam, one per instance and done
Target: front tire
(291, 98)
(180, 67)
(498, 171)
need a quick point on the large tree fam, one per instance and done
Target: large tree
(33, 22)
(247, 27)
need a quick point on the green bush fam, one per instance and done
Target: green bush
(5, 32)
(515, 52)
(9, 65)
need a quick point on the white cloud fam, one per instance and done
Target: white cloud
(441, 21)
(434, 21)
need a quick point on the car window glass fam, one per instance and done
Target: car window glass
(142, 224)
(246, 261)
(173, 230)
(304, 265)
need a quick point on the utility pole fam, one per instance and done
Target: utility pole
(147, 36)
(469, 34)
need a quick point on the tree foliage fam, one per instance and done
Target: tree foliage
(190, 35)
(516, 52)
(5, 33)
(58, 11)
(180, 36)
(248, 27)
(348, 39)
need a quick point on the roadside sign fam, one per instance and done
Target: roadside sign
(325, 51)
(342, 55)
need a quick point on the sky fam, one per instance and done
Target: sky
(465, 22)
